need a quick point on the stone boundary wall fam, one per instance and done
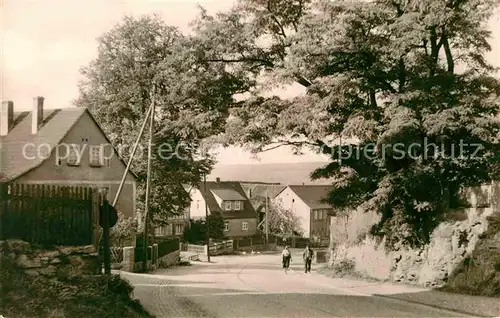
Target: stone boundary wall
(431, 266)
(58, 261)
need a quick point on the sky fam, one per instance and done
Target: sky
(44, 43)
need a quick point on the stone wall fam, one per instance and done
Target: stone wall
(171, 259)
(58, 261)
(451, 242)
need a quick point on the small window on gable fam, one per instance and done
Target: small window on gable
(227, 205)
(73, 156)
(96, 156)
(237, 205)
(244, 226)
(226, 226)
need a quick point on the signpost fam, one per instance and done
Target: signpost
(108, 217)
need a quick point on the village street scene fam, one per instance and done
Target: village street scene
(250, 158)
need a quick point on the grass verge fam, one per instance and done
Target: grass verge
(345, 269)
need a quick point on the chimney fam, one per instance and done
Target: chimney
(6, 117)
(217, 179)
(37, 114)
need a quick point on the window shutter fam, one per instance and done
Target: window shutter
(72, 159)
(96, 156)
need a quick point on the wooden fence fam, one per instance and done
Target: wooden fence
(49, 214)
(221, 247)
(216, 248)
(116, 254)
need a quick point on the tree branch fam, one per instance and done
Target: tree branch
(302, 80)
(282, 143)
(242, 60)
(275, 19)
(449, 55)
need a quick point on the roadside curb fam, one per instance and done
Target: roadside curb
(458, 311)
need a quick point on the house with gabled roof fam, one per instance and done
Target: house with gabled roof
(61, 147)
(258, 193)
(306, 202)
(229, 200)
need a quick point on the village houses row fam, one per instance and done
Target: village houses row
(241, 204)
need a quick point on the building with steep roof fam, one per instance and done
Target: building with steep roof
(307, 203)
(257, 193)
(61, 147)
(229, 200)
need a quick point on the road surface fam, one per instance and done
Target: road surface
(256, 286)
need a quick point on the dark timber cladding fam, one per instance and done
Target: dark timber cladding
(48, 214)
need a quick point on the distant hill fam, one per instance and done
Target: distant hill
(285, 173)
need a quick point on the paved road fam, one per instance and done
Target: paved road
(256, 286)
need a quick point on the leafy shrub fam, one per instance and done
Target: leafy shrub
(124, 230)
(344, 267)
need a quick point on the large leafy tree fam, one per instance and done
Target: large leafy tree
(282, 221)
(142, 58)
(405, 75)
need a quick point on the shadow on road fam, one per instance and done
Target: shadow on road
(471, 305)
(247, 289)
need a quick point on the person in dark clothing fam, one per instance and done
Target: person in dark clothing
(286, 257)
(308, 256)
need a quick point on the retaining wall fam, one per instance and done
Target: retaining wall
(68, 261)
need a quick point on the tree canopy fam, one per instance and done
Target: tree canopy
(407, 80)
(392, 75)
(192, 100)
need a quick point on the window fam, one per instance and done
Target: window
(237, 205)
(198, 205)
(96, 156)
(227, 205)
(164, 230)
(244, 226)
(226, 226)
(179, 229)
(73, 155)
(315, 214)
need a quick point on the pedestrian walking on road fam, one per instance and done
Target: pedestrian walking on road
(308, 256)
(286, 258)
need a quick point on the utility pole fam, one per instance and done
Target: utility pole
(207, 222)
(148, 182)
(267, 216)
(141, 132)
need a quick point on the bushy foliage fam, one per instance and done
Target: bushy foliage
(124, 231)
(197, 231)
(405, 84)
(479, 273)
(283, 221)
